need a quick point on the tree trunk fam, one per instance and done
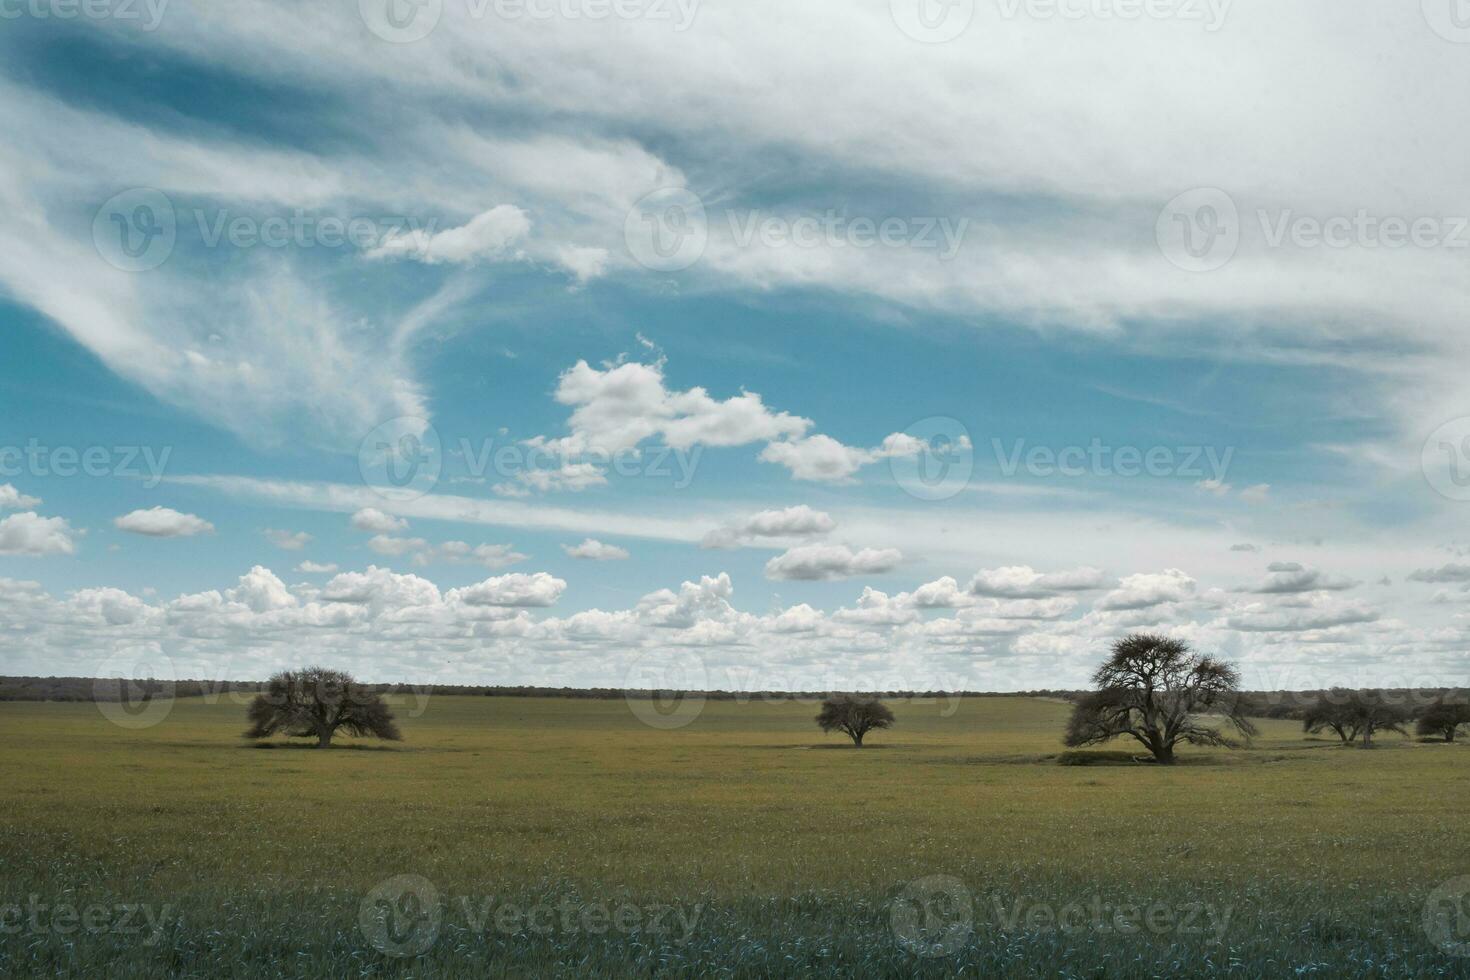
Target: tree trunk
(324, 739)
(857, 739)
(1164, 755)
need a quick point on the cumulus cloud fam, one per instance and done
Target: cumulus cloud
(619, 407)
(800, 521)
(372, 519)
(288, 540)
(1024, 582)
(27, 533)
(593, 550)
(825, 562)
(820, 458)
(516, 589)
(1288, 577)
(13, 499)
(452, 552)
(162, 522)
(316, 568)
(1146, 590)
(1453, 572)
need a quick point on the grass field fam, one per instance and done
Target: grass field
(538, 837)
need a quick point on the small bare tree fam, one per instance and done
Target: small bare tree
(854, 716)
(316, 703)
(1155, 690)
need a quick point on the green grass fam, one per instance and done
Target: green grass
(786, 851)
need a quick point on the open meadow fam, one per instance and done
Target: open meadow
(509, 836)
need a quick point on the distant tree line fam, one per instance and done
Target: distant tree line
(113, 689)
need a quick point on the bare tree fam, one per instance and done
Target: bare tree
(854, 716)
(1154, 689)
(1357, 715)
(316, 703)
(1445, 716)
(1335, 711)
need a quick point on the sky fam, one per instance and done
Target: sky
(757, 346)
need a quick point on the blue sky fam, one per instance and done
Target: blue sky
(863, 250)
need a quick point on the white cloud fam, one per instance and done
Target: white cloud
(516, 590)
(1288, 577)
(27, 533)
(617, 408)
(13, 499)
(1024, 582)
(593, 550)
(1216, 487)
(1146, 590)
(800, 521)
(372, 519)
(820, 458)
(1257, 494)
(822, 562)
(316, 568)
(487, 237)
(162, 522)
(288, 540)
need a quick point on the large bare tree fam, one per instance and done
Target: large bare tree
(317, 703)
(1155, 690)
